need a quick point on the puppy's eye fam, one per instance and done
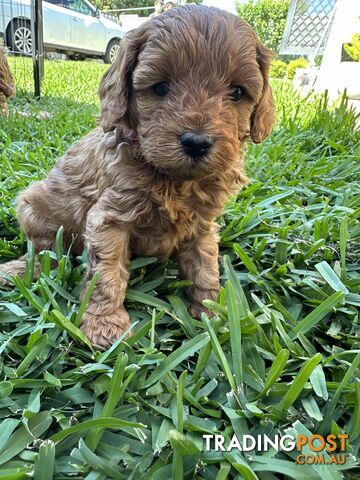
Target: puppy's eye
(161, 89)
(236, 93)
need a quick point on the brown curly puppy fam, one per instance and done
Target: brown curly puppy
(7, 86)
(187, 90)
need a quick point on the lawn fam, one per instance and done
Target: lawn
(281, 354)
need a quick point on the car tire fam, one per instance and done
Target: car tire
(111, 51)
(20, 39)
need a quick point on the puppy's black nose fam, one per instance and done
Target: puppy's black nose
(196, 144)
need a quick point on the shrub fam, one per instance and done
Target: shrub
(278, 69)
(267, 18)
(294, 65)
(353, 48)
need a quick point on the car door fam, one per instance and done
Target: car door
(56, 23)
(87, 31)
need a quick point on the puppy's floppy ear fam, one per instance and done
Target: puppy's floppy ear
(263, 116)
(115, 87)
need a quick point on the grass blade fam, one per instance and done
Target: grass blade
(85, 301)
(175, 358)
(330, 277)
(244, 257)
(235, 332)
(178, 465)
(112, 400)
(219, 352)
(275, 371)
(355, 419)
(44, 468)
(298, 383)
(103, 422)
(330, 407)
(311, 320)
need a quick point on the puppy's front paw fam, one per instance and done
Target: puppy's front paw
(196, 309)
(197, 296)
(104, 330)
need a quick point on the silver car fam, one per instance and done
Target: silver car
(74, 27)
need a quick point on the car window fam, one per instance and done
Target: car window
(77, 6)
(59, 3)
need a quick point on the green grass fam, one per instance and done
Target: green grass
(281, 355)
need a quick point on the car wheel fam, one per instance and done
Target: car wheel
(20, 37)
(111, 51)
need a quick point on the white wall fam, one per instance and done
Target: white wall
(335, 75)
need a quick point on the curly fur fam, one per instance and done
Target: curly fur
(127, 188)
(7, 86)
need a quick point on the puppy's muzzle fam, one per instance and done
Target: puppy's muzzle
(196, 145)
